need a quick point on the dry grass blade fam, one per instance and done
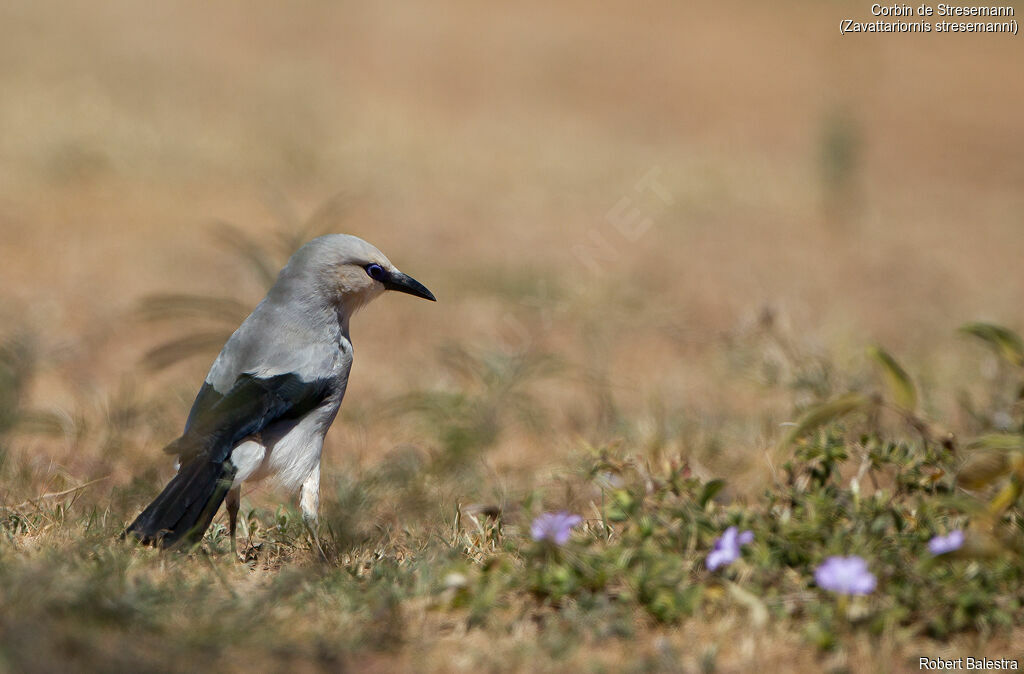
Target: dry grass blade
(259, 261)
(58, 494)
(177, 306)
(179, 349)
(44, 422)
(757, 608)
(18, 360)
(325, 219)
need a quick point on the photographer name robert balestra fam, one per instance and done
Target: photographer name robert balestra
(967, 663)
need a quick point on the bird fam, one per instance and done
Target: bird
(273, 392)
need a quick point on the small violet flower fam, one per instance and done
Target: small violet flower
(727, 548)
(554, 527)
(940, 545)
(845, 575)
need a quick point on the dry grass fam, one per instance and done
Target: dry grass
(857, 190)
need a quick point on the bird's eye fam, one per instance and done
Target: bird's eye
(376, 272)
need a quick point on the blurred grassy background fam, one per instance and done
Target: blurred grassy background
(864, 188)
(842, 190)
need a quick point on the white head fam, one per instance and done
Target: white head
(346, 272)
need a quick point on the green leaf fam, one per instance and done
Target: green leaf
(824, 413)
(1006, 342)
(621, 507)
(902, 387)
(1004, 442)
(982, 468)
(1006, 497)
(709, 492)
(962, 503)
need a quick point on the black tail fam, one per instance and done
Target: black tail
(184, 509)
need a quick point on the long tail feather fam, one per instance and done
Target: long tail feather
(183, 511)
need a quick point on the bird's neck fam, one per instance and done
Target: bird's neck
(344, 316)
(349, 303)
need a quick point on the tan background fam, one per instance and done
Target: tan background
(477, 145)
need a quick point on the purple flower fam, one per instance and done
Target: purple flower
(940, 545)
(727, 548)
(845, 575)
(554, 527)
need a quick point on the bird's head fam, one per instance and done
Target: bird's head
(350, 272)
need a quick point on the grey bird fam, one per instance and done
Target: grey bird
(273, 391)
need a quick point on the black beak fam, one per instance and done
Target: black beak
(404, 283)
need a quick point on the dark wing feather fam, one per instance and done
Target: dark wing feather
(205, 399)
(218, 422)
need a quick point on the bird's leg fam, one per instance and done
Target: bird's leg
(309, 497)
(309, 502)
(232, 502)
